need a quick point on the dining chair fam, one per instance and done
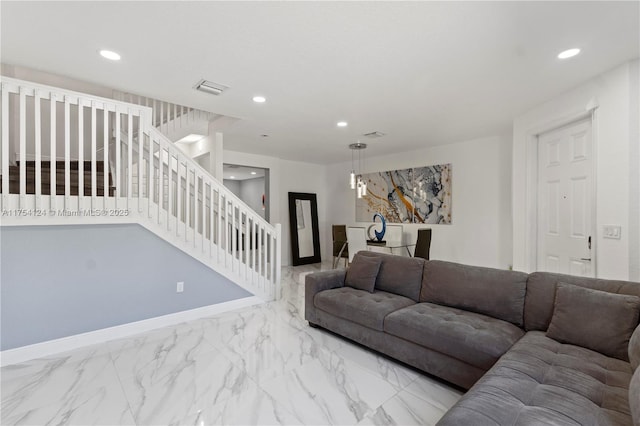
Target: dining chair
(340, 247)
(357, 240)
(423, 243)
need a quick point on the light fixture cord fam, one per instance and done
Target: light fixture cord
(352, 159)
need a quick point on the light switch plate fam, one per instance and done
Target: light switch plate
(612, 231)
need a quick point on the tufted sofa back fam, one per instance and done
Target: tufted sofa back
(494, 292)
(541, 291)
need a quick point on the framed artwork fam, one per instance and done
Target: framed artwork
(416, 195)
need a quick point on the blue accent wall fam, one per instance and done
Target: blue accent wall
(57, 281)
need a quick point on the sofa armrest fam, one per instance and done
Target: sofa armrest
(634, 397)
(634, 349)
(317, 282)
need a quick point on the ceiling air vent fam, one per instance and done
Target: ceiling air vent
(373, 135)
(211, 87)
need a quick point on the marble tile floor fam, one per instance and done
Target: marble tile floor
(261, 365)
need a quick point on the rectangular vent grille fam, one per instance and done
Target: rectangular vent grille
(211, 87)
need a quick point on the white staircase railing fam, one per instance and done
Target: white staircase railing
(66, 155)
(166, 116)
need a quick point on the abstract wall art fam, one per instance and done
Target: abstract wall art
(416, 195)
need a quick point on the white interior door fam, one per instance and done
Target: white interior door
(565, 201)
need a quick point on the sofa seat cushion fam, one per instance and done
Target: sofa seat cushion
(359, 306)
(476, 339)
(541, 381)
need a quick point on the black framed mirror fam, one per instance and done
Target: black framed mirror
(303, 221)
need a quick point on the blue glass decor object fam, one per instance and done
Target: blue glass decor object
(378, 235)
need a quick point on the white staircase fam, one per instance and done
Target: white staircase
(172, 120)
(64, 135)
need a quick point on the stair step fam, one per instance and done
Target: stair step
(45, 177)
(60, 190)
(73, 165)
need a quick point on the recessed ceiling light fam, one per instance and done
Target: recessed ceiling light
(232, 177)
(108, 54)
(253, 173)
(259, 99)
(191, 138)
(342, 124)
(568, 53)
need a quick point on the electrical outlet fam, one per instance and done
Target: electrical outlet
(612, 231)
(180, 287)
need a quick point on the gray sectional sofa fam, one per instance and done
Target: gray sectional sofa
(536, 348)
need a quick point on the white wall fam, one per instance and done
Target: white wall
(91, 277)
(233, 186)
(204, 161)
(290, 176)
(616, 139)
(208, 150)
(634, 172)
(251, 192)
(480, 232)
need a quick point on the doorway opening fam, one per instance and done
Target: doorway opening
(250, 184)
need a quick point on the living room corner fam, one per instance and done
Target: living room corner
(320, 213)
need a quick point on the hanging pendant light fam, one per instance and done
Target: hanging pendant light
(352, 177)
(355, 180)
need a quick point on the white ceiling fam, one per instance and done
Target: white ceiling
(424, 73)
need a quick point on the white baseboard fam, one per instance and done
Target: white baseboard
(50, 347)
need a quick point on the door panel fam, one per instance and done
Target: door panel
(565, 200)
(577, 199)
(579, 267)
(553, 208)
(553, 264)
